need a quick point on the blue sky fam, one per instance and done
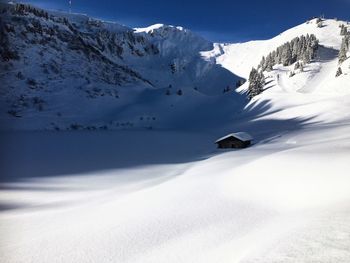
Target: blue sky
(220, 21)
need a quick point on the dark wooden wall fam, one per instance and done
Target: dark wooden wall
(232, 143)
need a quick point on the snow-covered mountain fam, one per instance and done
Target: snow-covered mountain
(68, 71)
(63, 71)
(315, 92)
(248, 55)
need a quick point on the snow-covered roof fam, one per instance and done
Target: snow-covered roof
(243, 136)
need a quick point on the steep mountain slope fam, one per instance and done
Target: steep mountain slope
(63, 71)
(314, 93)
(239, 57)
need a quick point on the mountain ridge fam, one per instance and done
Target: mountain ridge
(76, 72)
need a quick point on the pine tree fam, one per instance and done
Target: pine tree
(295, 44)
(173, 67)
(343, 30)
(308, 55)
(269, 63)
(286, 55)
(227, 89)
(262, 64)
(256, 83)
(301, 48)
(344, 48)
(339, 72)
(239, 83)
(252, 89)
(342, 54)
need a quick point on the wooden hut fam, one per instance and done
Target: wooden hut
(235, 140)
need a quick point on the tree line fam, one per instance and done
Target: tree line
(344, 48)
(300, 49)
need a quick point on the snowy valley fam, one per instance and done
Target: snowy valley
(108, 151)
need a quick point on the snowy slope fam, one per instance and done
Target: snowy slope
(282, 201)
(315, 93)
(239, 57)
(68, 70)
(168, 195)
